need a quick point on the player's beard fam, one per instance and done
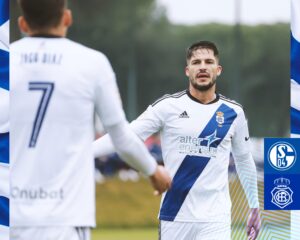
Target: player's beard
(203, 88)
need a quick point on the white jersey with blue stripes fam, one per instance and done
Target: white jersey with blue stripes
(196, 141)
(56, 86)
(4, 117)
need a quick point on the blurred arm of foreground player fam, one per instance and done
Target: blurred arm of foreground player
(124, 141)
(136, 155)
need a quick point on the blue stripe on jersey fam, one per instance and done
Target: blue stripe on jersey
(192, 166)
(295, 59)
(4, 11)
(212, 126)
(4, 69)
(295, 121)
(4, 147)
(4, 211)
(185, 177)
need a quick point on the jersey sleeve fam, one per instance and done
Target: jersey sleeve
(122, 139)
(244, 162)
(144, 126)
(131, 149)
(148, 123)
(107, 98)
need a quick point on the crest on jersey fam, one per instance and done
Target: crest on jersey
(220, 118)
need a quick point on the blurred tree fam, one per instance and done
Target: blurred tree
(266, 85)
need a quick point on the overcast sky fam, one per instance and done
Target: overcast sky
(204, 11)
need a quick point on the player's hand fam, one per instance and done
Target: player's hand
(253, 224)
(160, 180)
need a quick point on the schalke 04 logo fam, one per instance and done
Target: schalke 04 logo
(282, 156)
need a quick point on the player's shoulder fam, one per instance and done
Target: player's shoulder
(63, 44)
(231, 103)
(169, 97)
(16, 44)
(79, 48)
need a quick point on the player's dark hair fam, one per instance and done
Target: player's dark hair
(42, 14)
(200, 45)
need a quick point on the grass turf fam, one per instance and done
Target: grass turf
(125, 234)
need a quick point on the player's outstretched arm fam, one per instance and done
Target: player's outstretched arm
(160, 179)
(126, 143)
(103, 146)
(133, 151)
(253, 224)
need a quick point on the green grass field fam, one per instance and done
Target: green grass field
(125, 234)
(128, 234)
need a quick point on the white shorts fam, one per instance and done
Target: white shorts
(4, 233)
(49, 233)
(194, 231)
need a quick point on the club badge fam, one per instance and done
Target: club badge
(220, 118)
(282, 156)
(282, 194)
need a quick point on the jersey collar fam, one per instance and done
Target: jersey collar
(41, 35)
(196, 100)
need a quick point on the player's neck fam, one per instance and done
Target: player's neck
(203, 96)
(58, 31)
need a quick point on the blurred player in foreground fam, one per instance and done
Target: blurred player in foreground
(56, 84)
(199, 128)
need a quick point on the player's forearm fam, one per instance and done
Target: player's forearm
(246, 170)
(130, 148)
(103, 146)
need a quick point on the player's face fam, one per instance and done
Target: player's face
(203, 69)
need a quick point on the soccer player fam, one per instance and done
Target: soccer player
(56, 85)
(4, 116)
(199, 128)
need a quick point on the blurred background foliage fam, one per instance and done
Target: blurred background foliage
(147, 52)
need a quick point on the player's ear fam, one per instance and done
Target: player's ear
(187, 71)
(219, 70)
(24, 28)
(67, 18)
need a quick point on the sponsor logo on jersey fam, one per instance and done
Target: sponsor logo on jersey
(198, 146)
(282, 156)
(282, 194)
(220, 118)
(39, 193)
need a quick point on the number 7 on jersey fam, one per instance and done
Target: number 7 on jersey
(47, 89)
